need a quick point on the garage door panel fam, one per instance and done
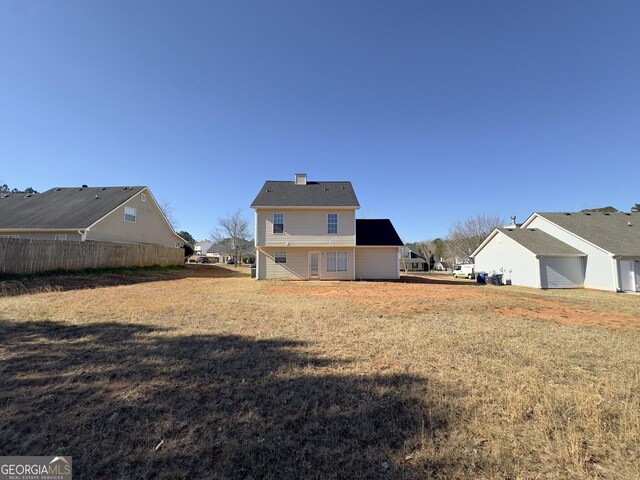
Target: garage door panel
(561, 273)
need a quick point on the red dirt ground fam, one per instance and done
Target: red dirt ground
(435, 296)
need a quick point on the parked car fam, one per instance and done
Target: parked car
(231, 261)
(203, 260)
(464, 270)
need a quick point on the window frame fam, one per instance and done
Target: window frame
(273, 230)
(60, 236)
(143, 197)
(127, 211)
(278, 256)
(340, 261)
(330, 224)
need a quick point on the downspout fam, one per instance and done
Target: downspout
(83, 235)
(355, 242)
(255, 244)
(538, 266)
(616, 274)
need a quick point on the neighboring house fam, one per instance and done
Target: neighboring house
(201, 248)
(441, 266)
(308, 230)
(567, 250)
(411, 260)
(109, 214)
(218, 252)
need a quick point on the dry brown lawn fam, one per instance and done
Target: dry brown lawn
(428, 378)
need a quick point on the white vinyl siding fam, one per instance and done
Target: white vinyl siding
(377, 263)
(561, 272)
(297, 266)
(505, 256)
(599, 267)
(305, 228)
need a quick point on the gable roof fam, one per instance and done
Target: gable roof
(62, 208)
(312, 194)
(617, 233)
(377, 232)
(539, 242)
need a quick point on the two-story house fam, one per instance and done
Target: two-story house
(309, 231)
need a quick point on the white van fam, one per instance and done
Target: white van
(463, 271)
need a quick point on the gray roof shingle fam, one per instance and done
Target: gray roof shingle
(617, 233)
(539, 242)
(62, 208)
(313, 194)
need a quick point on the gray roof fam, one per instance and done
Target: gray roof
(62, 208)
(609, 231)
(539, 242)
(313, 194)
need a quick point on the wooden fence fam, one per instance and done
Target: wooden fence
(23, 255)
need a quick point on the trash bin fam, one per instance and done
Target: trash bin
(253, 272)
(481, 277)
(497, 279)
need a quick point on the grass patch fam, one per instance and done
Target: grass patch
(245, 379)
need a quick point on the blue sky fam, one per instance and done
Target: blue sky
(435, 110)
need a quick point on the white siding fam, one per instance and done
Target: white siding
(558, 272)
(306, 228)
(297, 266)
(506, 256)
(377, 263)
(599, 268)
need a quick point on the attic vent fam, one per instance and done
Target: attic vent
(27, 195)
(586, 213)
(325, 189)
(58, 189)
(628, 214)
(5, 195)
(567, 214)
(79, 189)
(102, 189)
(268, 191)
(301, 178)
(509, 229)
(342, 187)
(607, 214)
(532, 229)
(85, 186)
(97, 197)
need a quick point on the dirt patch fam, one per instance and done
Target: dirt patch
(434, 296)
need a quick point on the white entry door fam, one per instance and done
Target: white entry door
(628, 275)
(314, 262)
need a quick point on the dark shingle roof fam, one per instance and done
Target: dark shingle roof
(378, 232)
(539, 242)
(609, 231)
(313, 194)
(62, 208)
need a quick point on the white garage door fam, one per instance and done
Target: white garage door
(561, 272)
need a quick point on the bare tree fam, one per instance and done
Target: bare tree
(169, 213)
(232, 232)
(467, 235)
(426, 249)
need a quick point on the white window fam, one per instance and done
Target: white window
(281, 257)
(129, 214)
(336, 261)
(9, 236)
(332, 223)
(278, 223)
(143, 197)
(61, 236)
